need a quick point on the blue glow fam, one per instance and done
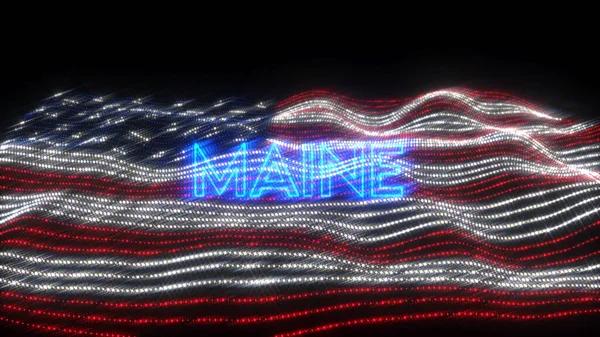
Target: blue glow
(308, 174)
(321, 170)
(274, 164)
(236, 168)
(357, 169)
(382, 170)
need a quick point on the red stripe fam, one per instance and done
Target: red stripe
(434, 246)
(101, 234)
(39, 182)
(310, 297)
(437, 315)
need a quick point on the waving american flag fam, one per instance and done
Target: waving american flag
(100, 234)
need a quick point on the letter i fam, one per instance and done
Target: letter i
(308, 170)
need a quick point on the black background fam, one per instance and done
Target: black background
(554, 69)
(557, 70)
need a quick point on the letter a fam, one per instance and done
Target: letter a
(283, 182)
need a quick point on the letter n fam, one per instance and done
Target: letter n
(352, 171)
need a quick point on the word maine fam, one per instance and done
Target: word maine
(311, 170)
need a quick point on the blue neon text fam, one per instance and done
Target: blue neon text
(313, 170)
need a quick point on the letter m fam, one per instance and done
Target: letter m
(219, 178)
